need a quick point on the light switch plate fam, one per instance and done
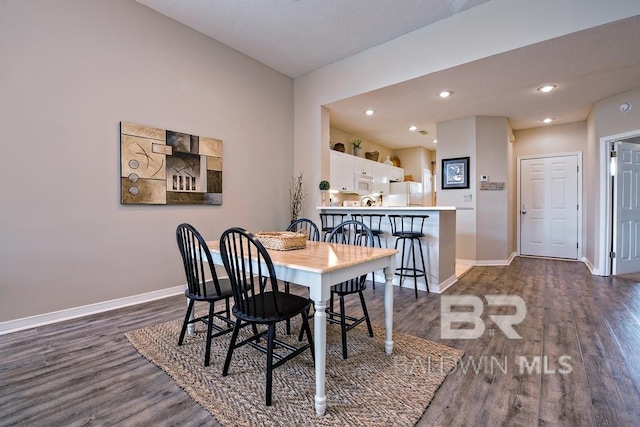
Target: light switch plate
(484, 178)
(468, 197)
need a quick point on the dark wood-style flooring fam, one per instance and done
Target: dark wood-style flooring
(85, 372)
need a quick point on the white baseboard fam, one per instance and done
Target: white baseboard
(592, 269)
(486, 262)
(86, 310)
(446, 284)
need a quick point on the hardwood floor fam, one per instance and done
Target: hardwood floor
(84, 371)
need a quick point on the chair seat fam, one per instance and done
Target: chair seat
(290, 305)
(225, 290)
(409, 235)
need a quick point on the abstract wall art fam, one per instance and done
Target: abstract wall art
(163, 167)
(455, 173)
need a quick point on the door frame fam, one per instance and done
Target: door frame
(606, 207)
(580, 255)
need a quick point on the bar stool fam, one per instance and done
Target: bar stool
(374, 222)
(329, 221)
(409, 230)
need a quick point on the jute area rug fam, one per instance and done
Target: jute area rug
(370, 388)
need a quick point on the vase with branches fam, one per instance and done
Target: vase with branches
(296, 196)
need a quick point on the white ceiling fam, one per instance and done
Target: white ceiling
(299, 36)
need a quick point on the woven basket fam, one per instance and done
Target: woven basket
(282, 240)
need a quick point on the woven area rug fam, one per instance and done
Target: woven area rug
(369, 388)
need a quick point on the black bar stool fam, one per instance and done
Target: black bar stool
(329, 221)
(374, 222)
(409, 230)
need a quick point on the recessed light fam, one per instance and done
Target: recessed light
(445, 94)
(625, 106)
(546, 88)
(435, 141)
(370, 112)
(548, 120)
(412, 128)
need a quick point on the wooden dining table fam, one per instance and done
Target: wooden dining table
(319, 266)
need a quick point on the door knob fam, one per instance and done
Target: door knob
(523, 211)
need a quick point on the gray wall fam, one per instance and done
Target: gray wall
(70, 72)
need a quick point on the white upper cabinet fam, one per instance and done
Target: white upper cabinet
(341, 171)
(396, 174)
(381, 174)
(363, 166)
(343, 166)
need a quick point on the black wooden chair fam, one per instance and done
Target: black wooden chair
(350, 232)
(305, 226)
(256, 304)
(203, 284)
(308, 227)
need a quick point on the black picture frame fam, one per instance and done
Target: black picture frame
(455, 173)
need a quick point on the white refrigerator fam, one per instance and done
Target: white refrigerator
(406, 193)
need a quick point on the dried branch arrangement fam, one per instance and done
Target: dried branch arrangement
(296, 196)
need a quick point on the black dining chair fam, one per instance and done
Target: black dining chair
(308, 227)
(305, 226)
(248, 265)
(203, 284)
(350, 232)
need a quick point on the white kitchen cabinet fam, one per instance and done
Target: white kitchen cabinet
(381, 174)
(341, 171)
(396, 174)
(343, 167)
(363, 166)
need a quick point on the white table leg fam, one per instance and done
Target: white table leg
(191, 327)
(388, 308)
(320, 350)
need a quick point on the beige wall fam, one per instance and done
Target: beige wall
(71, 71)
(571, 137)
(492, 208)
(605, 120)
(557, 139)
(338, 135)
(493, 32)
(457, 138)
(482, 224)
(485, 30)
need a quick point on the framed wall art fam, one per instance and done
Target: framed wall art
(163, 167)
(455, 173)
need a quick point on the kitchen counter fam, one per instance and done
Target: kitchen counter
(387, 208)
(438, 245)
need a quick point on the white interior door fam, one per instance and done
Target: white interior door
(626, 197)
(549, 207)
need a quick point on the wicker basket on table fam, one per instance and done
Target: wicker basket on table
(282, 240)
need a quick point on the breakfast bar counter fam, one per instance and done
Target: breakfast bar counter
(438, 245)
